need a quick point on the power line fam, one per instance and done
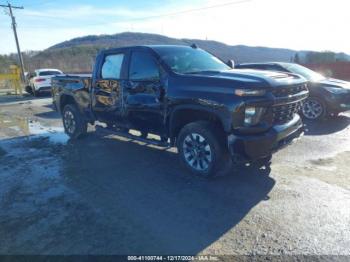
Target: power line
(13, 19)
(151, 17)
(190, 10)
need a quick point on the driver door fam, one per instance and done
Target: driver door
(144, 93)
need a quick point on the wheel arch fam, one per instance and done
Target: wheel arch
(66, 100)
(183, 115)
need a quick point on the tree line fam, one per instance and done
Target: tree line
(81, 58)
(319, 57)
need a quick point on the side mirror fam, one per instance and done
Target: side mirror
(231, 63)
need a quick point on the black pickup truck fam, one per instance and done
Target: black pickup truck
(186, 98)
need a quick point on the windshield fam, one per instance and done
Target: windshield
(190, 60)
(49, 73)
(303, 71)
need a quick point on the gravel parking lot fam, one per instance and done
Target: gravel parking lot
(109, 195)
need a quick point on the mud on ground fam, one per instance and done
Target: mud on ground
(109, 195)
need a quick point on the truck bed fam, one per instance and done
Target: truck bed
(73, 85)
(72, 81)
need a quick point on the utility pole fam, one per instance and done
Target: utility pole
(10, 7)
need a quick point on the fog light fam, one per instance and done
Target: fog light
(253, 115)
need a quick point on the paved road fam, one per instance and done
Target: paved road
(108, 195)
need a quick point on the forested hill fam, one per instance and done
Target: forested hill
(78, 54)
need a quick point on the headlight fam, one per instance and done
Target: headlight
(253, 115)
(249, 92)
(336, 90)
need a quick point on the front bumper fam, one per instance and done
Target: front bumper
(44, 89)
(338, 102)
(253, 147)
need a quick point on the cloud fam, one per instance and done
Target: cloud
(296, 24)
(84, 11)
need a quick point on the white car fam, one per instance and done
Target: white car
(40, 81)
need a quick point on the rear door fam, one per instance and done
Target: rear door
(144, 93)
(107, 87)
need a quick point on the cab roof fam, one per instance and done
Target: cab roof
(264, 63)
(46, 69)
(147, 47)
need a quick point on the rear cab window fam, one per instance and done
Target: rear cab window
(49, 73)
(112, 66)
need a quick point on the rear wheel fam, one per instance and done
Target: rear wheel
(29, 90)
(314, 108)
(35, 92)
(74, 124)
(200, 149)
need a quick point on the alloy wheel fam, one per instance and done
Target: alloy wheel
(69, 122)
(312, 109)
(197, 152)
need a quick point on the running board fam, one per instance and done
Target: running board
(155, 142)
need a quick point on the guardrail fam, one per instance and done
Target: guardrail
(12, 81)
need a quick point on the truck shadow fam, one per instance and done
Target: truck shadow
(112, 196)
(180, 213)
(326, 126)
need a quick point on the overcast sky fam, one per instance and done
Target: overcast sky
(296, 24)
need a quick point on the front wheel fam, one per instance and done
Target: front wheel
(200, 148)
(313, 109)
(265, 161)
(74, 124)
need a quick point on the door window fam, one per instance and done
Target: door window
(112, 66)
(143, 67)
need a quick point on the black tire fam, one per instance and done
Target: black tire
(35, 93)
(29, 90)
(74, 124)
(266, 161)
(314, 108)
(207, 162)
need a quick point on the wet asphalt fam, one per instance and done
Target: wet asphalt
(109, 195)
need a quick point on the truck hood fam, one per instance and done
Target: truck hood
(254, 78)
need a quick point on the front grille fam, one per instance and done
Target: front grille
(284, 113)
(285, 91)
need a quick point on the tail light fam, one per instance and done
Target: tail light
(40, 80)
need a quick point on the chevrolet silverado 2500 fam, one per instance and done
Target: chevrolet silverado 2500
(189, 99)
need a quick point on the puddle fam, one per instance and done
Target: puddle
(54, 134)
(17, 124)
(23, 126)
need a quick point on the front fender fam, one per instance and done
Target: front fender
(222, 114)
